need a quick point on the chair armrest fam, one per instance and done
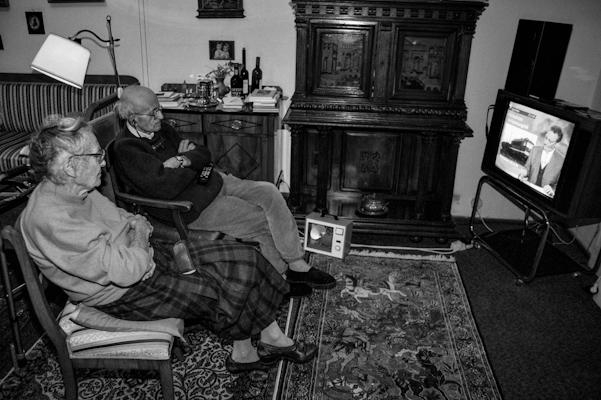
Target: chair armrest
(176, 207)
(183, 205)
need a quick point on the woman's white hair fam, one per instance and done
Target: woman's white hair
(50, 147)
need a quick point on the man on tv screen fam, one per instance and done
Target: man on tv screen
(544, 163)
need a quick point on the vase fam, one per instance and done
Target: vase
(221, 88)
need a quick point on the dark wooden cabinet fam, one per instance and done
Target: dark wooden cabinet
(241, 143)
(379, 109)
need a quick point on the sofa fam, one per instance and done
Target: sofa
(26, 99)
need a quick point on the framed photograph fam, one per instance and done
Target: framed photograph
(221, 50)
(35, 22)
(220, 9)
(75, 1)
(3, 3)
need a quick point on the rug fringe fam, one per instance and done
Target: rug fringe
(387, 254)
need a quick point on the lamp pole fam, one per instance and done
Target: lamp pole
(108, 43)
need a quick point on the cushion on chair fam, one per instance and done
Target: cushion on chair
(93, 333)
(92, 343)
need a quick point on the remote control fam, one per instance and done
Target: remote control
(204, 174)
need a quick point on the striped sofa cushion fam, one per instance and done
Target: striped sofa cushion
(25, 105)
(11, 143)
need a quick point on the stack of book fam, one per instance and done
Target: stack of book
(168, 99)
(264, 100)
(232, 103)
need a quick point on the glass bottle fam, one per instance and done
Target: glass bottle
(257, 76)
(236, 82)
(244, 74)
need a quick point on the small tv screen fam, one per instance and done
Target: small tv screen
(533, 147)
(328, 235)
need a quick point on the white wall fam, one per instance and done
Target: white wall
(162, 41)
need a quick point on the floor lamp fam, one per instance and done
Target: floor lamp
(67, 61)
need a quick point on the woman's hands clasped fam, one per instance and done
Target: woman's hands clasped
(140, 231)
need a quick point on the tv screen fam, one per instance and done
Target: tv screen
(328, 235)
(533, 147)
(549, 153)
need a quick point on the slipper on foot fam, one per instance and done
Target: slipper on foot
(297, 353)
(313, 277)
(236, 367)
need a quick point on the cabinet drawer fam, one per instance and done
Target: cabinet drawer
(184, 122)
(238, 124)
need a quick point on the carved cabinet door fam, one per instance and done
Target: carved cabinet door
(342, 59)
(423, 64)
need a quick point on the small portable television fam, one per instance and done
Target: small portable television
(328, 235)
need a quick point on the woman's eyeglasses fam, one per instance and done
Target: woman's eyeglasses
(99, 156)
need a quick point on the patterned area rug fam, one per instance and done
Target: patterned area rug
(392, 328)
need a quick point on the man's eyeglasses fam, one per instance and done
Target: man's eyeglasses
(154, 113)
(99, 156)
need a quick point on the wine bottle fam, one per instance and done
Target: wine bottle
(257, 76)
(244, 74)
(236, 82)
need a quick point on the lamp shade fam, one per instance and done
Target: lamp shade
(62, 60)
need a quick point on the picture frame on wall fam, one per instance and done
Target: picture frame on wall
(220, 9)
(3, 3)
(222, 50)
(35, 22)
(75, 1)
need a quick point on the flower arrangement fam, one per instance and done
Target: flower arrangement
(221, 71)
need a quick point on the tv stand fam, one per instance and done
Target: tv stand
(527, 251)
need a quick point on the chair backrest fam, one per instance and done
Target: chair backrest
(33, 281)
(105, 130)
(112, 176)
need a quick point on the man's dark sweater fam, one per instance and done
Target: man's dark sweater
(139, 164)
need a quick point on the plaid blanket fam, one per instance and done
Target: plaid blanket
(235, 292)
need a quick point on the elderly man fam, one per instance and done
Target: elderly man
(154, 161)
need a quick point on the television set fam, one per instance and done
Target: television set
(549, 152)
(328, 235)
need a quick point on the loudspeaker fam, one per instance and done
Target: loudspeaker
(537, 59)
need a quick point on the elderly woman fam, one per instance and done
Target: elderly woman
(100, 255)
